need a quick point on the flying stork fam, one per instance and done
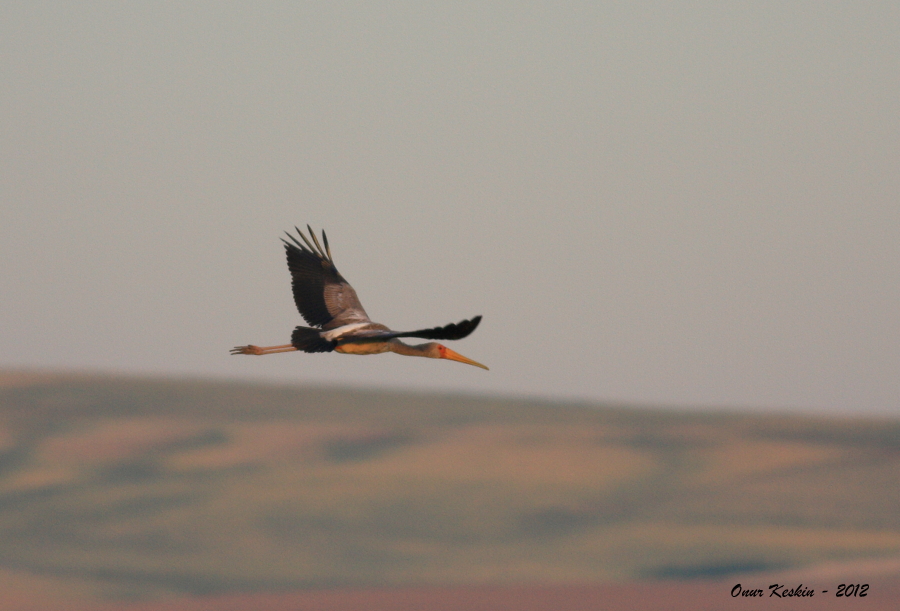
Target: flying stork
(339, 323)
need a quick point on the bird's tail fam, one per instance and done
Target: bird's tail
(310, 340)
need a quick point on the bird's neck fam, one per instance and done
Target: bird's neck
(398, 347)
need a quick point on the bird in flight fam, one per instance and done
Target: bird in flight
(339, 323)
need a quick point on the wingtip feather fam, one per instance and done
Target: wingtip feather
(320, 250)
(305, 239)
(327, 248)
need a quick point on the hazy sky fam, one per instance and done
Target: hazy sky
(676, 203)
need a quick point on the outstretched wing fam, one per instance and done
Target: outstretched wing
(323, 297)
(448, 332)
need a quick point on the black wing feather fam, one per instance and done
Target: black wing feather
(311, 340)
(312, 272)
(452, 331)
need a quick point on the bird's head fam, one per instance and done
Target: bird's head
(439, 351)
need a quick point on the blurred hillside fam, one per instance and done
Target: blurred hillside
(127, 488)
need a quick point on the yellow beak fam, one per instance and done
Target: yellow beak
(455, 356)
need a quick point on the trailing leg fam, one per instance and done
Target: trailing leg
(259, 350)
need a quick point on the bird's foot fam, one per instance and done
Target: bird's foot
(247, 350)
